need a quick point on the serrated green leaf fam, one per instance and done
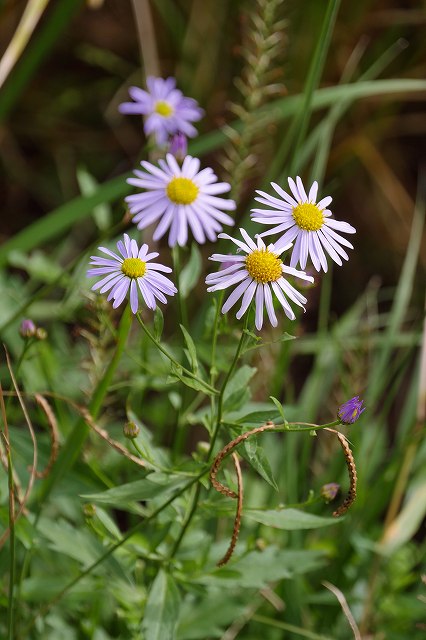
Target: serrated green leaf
(289, 519)
(162, 609)
(192, 351)
(191, 272)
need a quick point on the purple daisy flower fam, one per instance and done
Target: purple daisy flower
(166, 109)
(349, 411)
(306, 223)
(256, 273)
(131, 269)
(178, 198)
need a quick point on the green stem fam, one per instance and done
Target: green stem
(225, 383)
(183, 312)
(172, 359)
(76, 439)
(11, 599)
(78, 435)
(196, 497)
(113, 548)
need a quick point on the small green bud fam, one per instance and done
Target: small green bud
(41, 334)
(89, 510)
(131, 430)
(203, 447)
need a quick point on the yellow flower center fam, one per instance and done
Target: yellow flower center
(163, 108)
(133, 267)
(307, 216)
(182, 191)
(264, 266)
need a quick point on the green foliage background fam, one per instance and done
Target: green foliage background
(93, 547)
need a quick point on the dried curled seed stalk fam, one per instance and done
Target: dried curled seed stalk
(350, 463)
(268, 426)
(237, 521)
(54, 434)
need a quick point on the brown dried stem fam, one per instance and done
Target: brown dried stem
(268, 426)
(350, 463)
(237, 521)
(54, 434)
(33, 469)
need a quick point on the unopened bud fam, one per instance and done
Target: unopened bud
(349, 411)
(27, 329)
(179, 146)
(329, 491)
(131, 430)
(260, 544)
(41, 334)
(89, 510)
(203, 447)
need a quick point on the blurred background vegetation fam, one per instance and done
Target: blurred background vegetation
(62, 136)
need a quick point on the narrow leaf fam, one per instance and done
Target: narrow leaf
(162, 609)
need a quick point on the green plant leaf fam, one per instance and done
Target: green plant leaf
(190, 273)
(158, 323)
(162, 609)
(154, 485)
(192, 351)
(256, 456)
(237, 392)
(289, 519)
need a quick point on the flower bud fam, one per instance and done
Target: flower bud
(27, 329)
(349, 411)
(329, 491)
(41, 334)
(203, 447)
(89, 510)
(131, 430)
(178, 146)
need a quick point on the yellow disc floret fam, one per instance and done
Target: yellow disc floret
(307, 216)
(182, 191)
(163, 108)
(264, 266)
(133, 267)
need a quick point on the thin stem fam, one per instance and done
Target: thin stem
(172, 359)
(225, 383)
(194, 504)
(6, 443)
(11, 600)
(177, 271)
(114, 547)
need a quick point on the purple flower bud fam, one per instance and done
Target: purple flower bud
(179, 146)
(349, 411)
(329, 491)
(27, 329)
